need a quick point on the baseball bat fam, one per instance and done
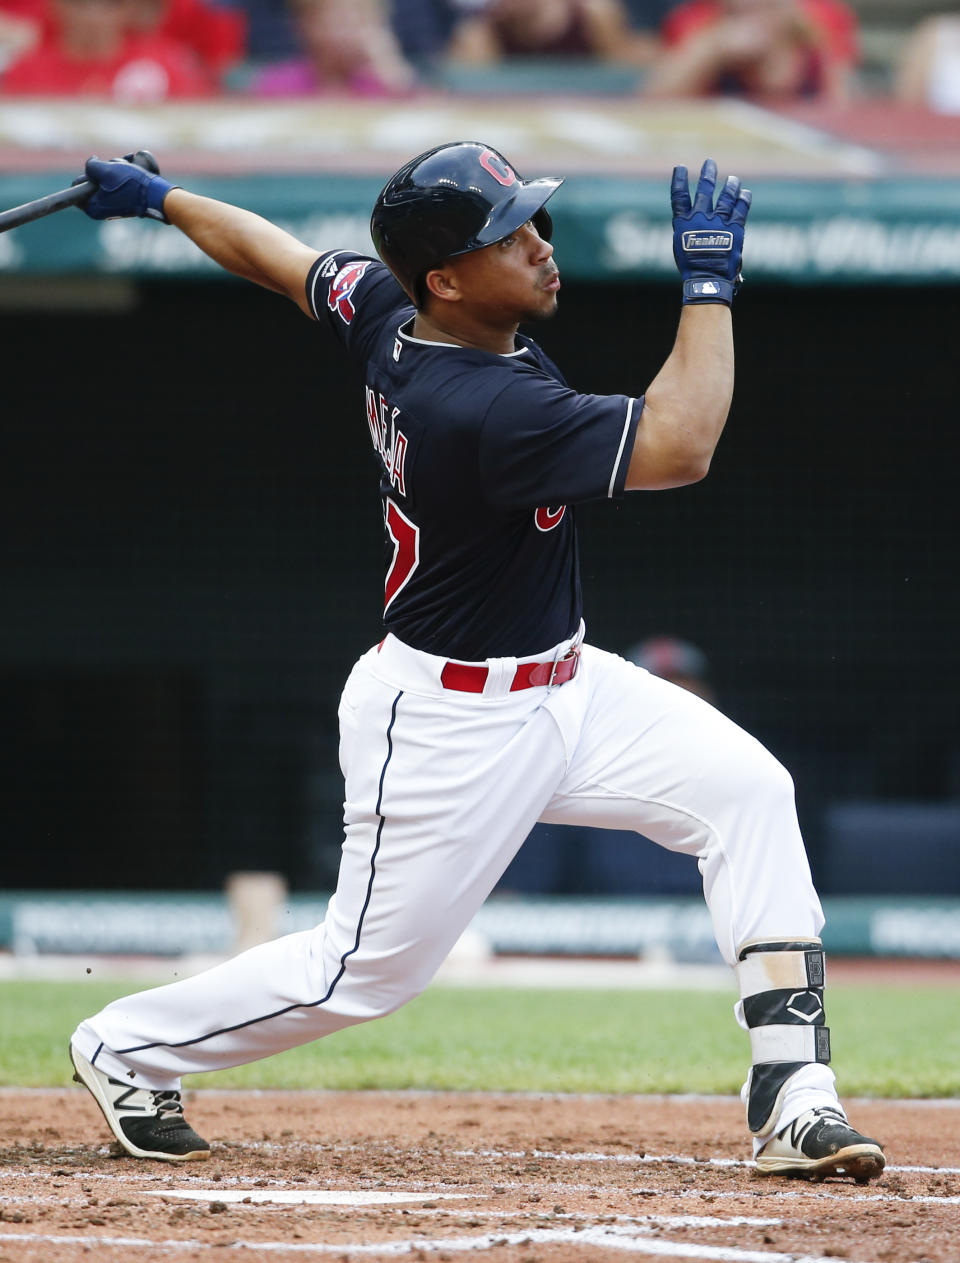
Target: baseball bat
(75, 195)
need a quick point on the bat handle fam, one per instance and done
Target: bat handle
(75, 195)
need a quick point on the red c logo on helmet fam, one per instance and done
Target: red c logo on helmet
(498, 167)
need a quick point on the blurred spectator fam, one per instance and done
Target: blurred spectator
(216, 33)
(348, 47)
(929, 70)
(423, 27)
(600, 29)
(270, 33)
(89, 48)
(757, 48)
(21, 27)
(677, 661)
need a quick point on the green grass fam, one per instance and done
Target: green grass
(886, 1042)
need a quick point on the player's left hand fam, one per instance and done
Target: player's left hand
(125, 189)
(708, 239)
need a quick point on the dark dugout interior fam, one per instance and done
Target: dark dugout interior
(192, 562)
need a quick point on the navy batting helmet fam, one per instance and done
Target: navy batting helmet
(451, 200)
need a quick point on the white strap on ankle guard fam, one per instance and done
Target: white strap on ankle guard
(769, 966)
(781, 990)
(790, 1043)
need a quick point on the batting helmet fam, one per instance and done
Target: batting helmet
(451, 200)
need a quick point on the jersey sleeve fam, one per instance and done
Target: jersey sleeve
(543, 443)
(353, 295)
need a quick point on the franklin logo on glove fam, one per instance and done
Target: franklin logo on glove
(707, 240)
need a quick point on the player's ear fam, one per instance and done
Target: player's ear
(441, 283)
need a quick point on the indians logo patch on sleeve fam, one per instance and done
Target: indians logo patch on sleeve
(342, 287)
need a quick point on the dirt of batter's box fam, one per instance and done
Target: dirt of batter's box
(507, 1178)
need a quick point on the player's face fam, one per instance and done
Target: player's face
(514, 279)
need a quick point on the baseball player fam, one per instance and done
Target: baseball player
(483, 710)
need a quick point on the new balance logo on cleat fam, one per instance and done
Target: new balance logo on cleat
(146, 1122)
(818, 1144)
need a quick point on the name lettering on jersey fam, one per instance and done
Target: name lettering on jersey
(388, 440)
(546, 519)
(342, 287)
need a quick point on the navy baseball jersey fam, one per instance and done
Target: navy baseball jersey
(482, 458)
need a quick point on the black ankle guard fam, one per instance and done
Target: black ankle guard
(781, 991)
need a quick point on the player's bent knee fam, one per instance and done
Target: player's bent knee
(771, 794)
(776, 780)
(749, 773)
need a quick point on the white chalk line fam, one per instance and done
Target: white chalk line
(609, 1236)
(628, 1234)
(261, 1197)
(674, 1159)
(772, 1189)
(122, 1177)
(663, 1221)
(643, 1221)
(813, 1190)
(306, 1197)
(325, 1198)
(320, 1197)
(665, 1159)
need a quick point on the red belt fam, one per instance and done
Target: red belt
(470, 679)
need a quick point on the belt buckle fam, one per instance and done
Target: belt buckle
(572, 652)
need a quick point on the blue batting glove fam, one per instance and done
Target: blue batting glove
(125, 190)
(708, 239)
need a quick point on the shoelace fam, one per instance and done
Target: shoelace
(830, 1112)
(169, 1104)
(822, 1114)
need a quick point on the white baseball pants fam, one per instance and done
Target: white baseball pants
(442, 788)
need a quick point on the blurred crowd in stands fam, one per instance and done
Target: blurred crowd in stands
(151, 50)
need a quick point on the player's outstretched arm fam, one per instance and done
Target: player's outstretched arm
(237, 239)
(687, 402)
(243, 243)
